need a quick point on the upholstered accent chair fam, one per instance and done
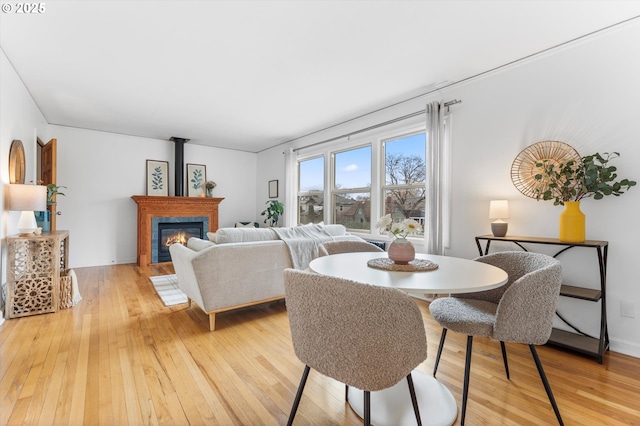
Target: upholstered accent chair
(361, 335)
(335, 247)
(521, 311)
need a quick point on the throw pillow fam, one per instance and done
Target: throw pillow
(247, 225)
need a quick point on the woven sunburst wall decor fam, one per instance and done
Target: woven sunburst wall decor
(523, 169)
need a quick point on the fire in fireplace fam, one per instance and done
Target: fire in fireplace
(172, 233)
(175, 230)
(179, 238)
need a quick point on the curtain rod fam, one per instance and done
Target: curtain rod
(375, 126)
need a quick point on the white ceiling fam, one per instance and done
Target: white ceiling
(249, 75)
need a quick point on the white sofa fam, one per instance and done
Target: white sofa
(239, 267)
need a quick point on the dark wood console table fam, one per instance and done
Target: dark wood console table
(578, 341)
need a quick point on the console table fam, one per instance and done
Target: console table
(578, 341)
(35, 263)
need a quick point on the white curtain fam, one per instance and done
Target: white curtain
(436, 179)
(291, 188)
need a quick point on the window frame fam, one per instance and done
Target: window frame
(375, 139)
(300, 193)
(358, 190)
(383, 173)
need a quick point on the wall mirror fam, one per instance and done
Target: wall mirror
(16, 162)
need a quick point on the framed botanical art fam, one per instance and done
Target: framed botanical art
(196, 177)
(273, 189)
(157, 177)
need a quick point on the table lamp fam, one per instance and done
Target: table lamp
(499, 209)
(27, 199)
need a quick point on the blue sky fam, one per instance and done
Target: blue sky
(353, 168)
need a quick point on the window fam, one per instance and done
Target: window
(311, 191)
(404, 189)
(351, 192)
(356, 181)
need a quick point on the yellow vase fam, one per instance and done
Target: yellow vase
(572, 223)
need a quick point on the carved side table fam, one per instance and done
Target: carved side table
(34, 266)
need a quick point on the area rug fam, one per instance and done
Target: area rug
(167, 288)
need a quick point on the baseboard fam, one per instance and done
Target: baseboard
(625, 347)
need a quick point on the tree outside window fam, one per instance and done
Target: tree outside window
(404, 190)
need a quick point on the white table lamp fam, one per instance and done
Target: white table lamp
(499, 209)
(27, 199)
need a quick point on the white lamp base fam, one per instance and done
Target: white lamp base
(27, 223)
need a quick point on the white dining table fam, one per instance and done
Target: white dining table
(392, 406)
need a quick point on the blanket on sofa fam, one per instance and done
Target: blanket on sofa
(303, 243)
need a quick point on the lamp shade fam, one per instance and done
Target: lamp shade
(499, 209)
(27, 197)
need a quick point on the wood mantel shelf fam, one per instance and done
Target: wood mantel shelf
(154, 206)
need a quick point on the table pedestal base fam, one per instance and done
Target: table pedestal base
(392, 406)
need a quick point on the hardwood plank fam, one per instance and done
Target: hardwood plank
(80, 369)
(121, 357)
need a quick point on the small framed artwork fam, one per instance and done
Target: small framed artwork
(157, 177)
(273, 189)
(196, 177)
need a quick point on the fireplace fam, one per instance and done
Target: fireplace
(170, 230)
(152, 208)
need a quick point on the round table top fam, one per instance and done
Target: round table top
(454, 275)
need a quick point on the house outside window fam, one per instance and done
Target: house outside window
(311, 190)
(351, 191)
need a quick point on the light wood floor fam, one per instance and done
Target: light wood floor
(120, 357)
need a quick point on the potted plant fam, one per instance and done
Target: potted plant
(273, 212)
(44, 218)
(209, 186)
(52, 191)
(568, 183)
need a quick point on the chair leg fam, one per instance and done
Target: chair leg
(367, 408)
(414, 400)
(296, 402)
(504, 358)
(545, 382)
(442, 337)
(465, 387)
(346, 393)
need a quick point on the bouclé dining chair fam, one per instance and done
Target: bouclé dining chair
(361, 335)
(521, 311)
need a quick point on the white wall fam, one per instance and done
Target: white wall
(103, 170)
(271, 167)
(587, 95)
(20, 119)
